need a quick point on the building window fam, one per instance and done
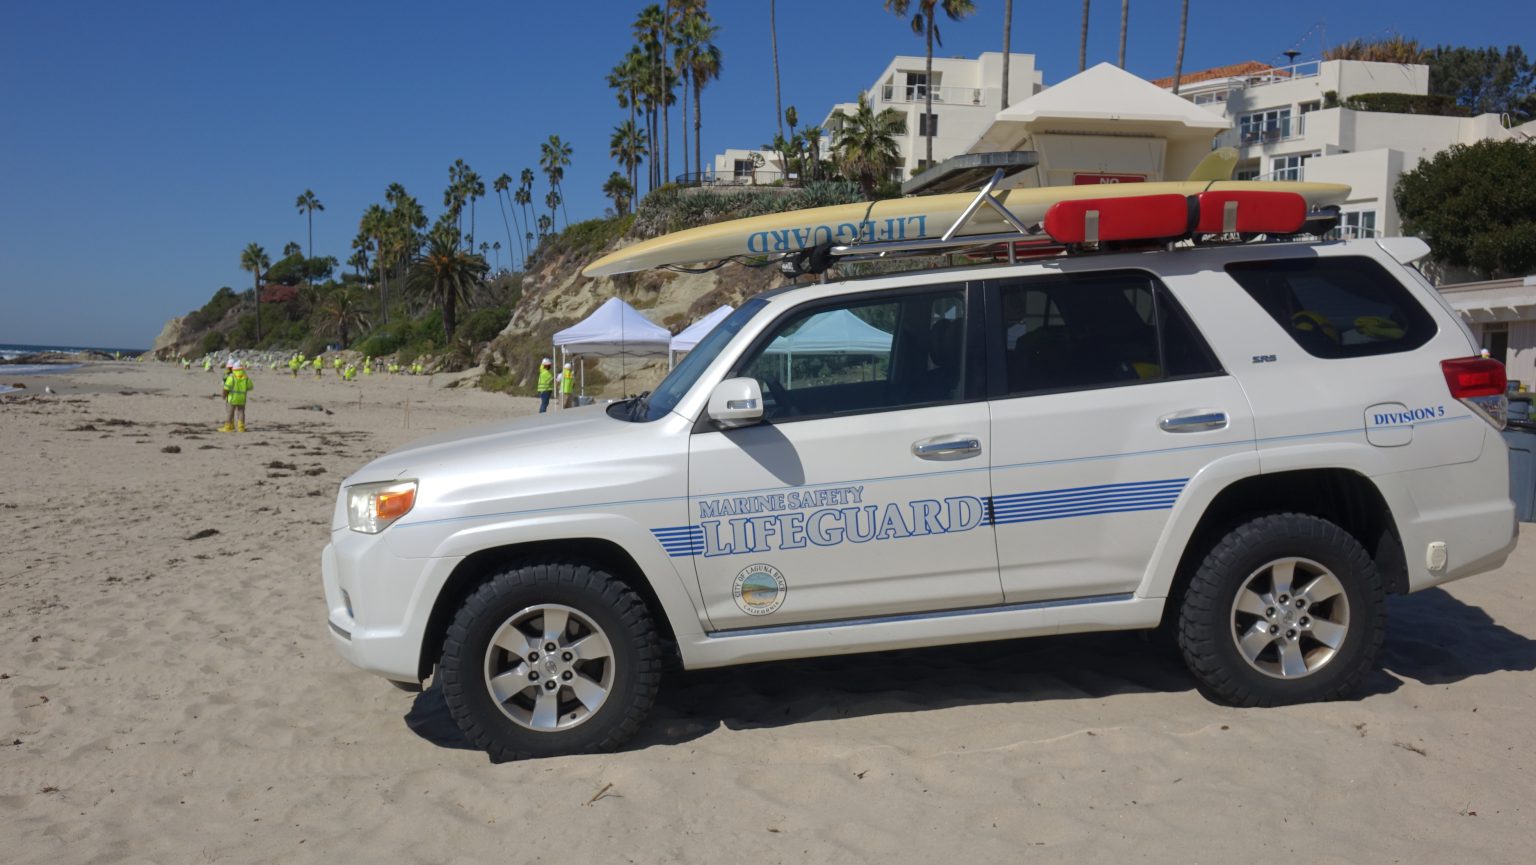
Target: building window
(743, 170)
(1288, 167)
(1309, 107)
(917, 86)
(1358, 224)
(1246, 174)
(1271, 125)
(927, 124)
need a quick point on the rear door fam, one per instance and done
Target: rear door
(1105, 403)
(863, 493)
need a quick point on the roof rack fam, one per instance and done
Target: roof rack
(1082, 224)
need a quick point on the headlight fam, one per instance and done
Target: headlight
(371, 508)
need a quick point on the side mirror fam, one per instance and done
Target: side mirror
(736, 402)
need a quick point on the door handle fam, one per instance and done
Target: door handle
(946, 448)
(1193, 421)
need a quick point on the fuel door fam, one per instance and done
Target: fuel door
(1389, 425)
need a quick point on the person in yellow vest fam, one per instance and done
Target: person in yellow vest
(236, 385)
(546, 385)
(349, 373)
(207, 363)
(293, 365)
(319, 366)
(567, 387)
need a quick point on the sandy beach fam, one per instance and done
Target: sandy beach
(169, 694)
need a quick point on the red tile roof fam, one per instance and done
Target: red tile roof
(1236, 70)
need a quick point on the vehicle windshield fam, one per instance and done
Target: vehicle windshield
(680, 380)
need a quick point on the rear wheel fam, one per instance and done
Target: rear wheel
(550, 658)
(1286, 608)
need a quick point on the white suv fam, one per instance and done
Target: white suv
(1251, 445)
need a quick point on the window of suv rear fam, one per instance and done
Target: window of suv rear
(1337, 307)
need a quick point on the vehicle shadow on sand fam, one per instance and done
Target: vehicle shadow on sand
(1434, 639)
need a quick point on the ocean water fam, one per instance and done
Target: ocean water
(11, 350)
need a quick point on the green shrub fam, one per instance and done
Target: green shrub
(213, 311)
(1407, 103)
(671, 209)
(212, 341)
(482, 325)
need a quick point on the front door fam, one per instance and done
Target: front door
(863, 493)
(1107, 403)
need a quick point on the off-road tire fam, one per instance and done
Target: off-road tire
(1206, 626)
(610, 604)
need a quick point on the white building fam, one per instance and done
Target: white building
(967, 94)
(1502, 314)
(741, 167)
(1284, 128)
(1103, 125)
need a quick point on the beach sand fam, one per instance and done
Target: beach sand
(170, 696)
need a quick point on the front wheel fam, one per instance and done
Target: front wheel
(549, 659)
(1286, 608)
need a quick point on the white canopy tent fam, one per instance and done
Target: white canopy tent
(615, 329)
(836, 332)
(690, 336)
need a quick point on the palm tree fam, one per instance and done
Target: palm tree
(703, 67)
(1007, 34)
(524, 198)
(501, 186)
(811, 135)
(627, 147)
(923, 23)
(307, 205)
(340, 315)
(773, 37)
(628, 80)
(552, 200)
(866, 143)
(554, 156)
(1125, 20)
(497, 247)
(1178, 62)
(682, 12)
(618, 189)
(545, 224)
(254, 259)
(444, 273)
(474, 188)
(1082, 44)
(292, 248)
(376, 224)
(650, 29)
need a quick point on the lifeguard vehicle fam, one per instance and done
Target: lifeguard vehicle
(1148, 408)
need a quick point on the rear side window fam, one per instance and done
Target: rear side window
(1337, 307)
(1091, 330)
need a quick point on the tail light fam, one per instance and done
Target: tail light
(1479, 383)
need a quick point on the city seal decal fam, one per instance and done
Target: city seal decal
(759, 590)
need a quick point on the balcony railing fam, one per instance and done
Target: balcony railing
(1288, 129)
(1236, 84)
(760, 177)
(892, 93)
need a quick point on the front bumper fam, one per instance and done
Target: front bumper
(378, 604)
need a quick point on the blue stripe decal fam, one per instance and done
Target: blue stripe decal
(1246, 444)
(681, 540)
(1084, 501)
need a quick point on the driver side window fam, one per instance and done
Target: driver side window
(864, 355)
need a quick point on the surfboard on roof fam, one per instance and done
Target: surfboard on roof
(777, 235)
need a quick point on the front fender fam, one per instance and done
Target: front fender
(677, 591)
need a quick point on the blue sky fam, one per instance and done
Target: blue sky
(144, 145)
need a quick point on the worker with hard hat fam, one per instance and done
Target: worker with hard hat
(319, 366)
(236, 386)
(567, 387)
(546, 385)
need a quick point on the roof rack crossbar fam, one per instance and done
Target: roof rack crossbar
(949, 240)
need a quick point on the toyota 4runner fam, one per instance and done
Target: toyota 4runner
(1251, 445)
